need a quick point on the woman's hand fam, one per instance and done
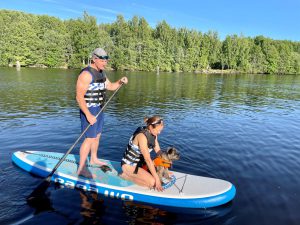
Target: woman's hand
(158, 186)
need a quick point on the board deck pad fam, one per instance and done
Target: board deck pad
(183, 190)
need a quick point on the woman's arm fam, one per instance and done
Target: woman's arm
(157, 147)
(142, 143)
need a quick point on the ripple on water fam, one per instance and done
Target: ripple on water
(241, 128)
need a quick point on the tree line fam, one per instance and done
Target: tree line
(46, 41)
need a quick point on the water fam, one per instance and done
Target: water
(241, 128)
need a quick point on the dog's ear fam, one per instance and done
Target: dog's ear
(170, 150)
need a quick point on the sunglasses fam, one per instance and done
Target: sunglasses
(157, 122)
(106, 57)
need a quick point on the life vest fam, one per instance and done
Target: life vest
(159, 161)
(133, 155)
(95, 94)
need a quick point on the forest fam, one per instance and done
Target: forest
(50, 42)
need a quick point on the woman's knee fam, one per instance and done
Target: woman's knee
(151, 181)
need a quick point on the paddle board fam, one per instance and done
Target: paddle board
(183, 190)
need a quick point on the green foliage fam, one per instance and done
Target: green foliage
(19, 41)
(53, 39)
(257, 58)
(85, 36)
(36, 40)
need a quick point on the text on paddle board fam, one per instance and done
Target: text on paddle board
(87, 187)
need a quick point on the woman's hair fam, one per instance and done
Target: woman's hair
(153, 121)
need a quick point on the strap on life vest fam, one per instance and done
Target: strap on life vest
(140, 163)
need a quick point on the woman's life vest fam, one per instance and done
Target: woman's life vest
(133, 155)
(95, 94)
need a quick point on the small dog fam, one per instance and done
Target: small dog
(164, 161)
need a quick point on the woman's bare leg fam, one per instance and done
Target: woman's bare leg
(142, 178)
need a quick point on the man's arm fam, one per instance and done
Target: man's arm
(112, 86)
(83, 82)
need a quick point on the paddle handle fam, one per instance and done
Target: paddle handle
(71, 148)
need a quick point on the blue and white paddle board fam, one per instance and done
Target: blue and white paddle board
(184, 190)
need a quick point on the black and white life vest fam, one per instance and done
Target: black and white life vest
(95, 94)
(133, 155)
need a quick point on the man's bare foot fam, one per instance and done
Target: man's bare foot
(86, 173)
(97, 162)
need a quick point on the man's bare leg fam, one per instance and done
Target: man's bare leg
(84, 152)
(94, 149)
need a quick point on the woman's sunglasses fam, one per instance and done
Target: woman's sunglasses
(157, 122)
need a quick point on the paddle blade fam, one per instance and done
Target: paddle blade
(39, 191)
(38, 199)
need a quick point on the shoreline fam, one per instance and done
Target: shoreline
(203, 71)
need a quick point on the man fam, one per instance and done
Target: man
(90, 95)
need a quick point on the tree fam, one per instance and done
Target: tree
(85, 37)
(36, 40)
(271, 55)
(257, 59)
(53, 41)
(19, 38)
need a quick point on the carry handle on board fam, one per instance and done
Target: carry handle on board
(42, 187)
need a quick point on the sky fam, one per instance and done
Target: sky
(276, 19)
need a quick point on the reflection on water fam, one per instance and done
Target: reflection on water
(97, 209)
(145, 214)
(241, 128)
(92, 208)
(32, 92)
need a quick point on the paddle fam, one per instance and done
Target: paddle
(39, 191)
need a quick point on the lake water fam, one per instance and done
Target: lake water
(241, 128)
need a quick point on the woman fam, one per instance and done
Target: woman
(141, 143)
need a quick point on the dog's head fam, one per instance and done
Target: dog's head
(171, 154)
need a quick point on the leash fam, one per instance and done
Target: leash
(181, 190)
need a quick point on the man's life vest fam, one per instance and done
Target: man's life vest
(95, 94)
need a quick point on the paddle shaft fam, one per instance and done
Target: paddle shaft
(71, 148)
